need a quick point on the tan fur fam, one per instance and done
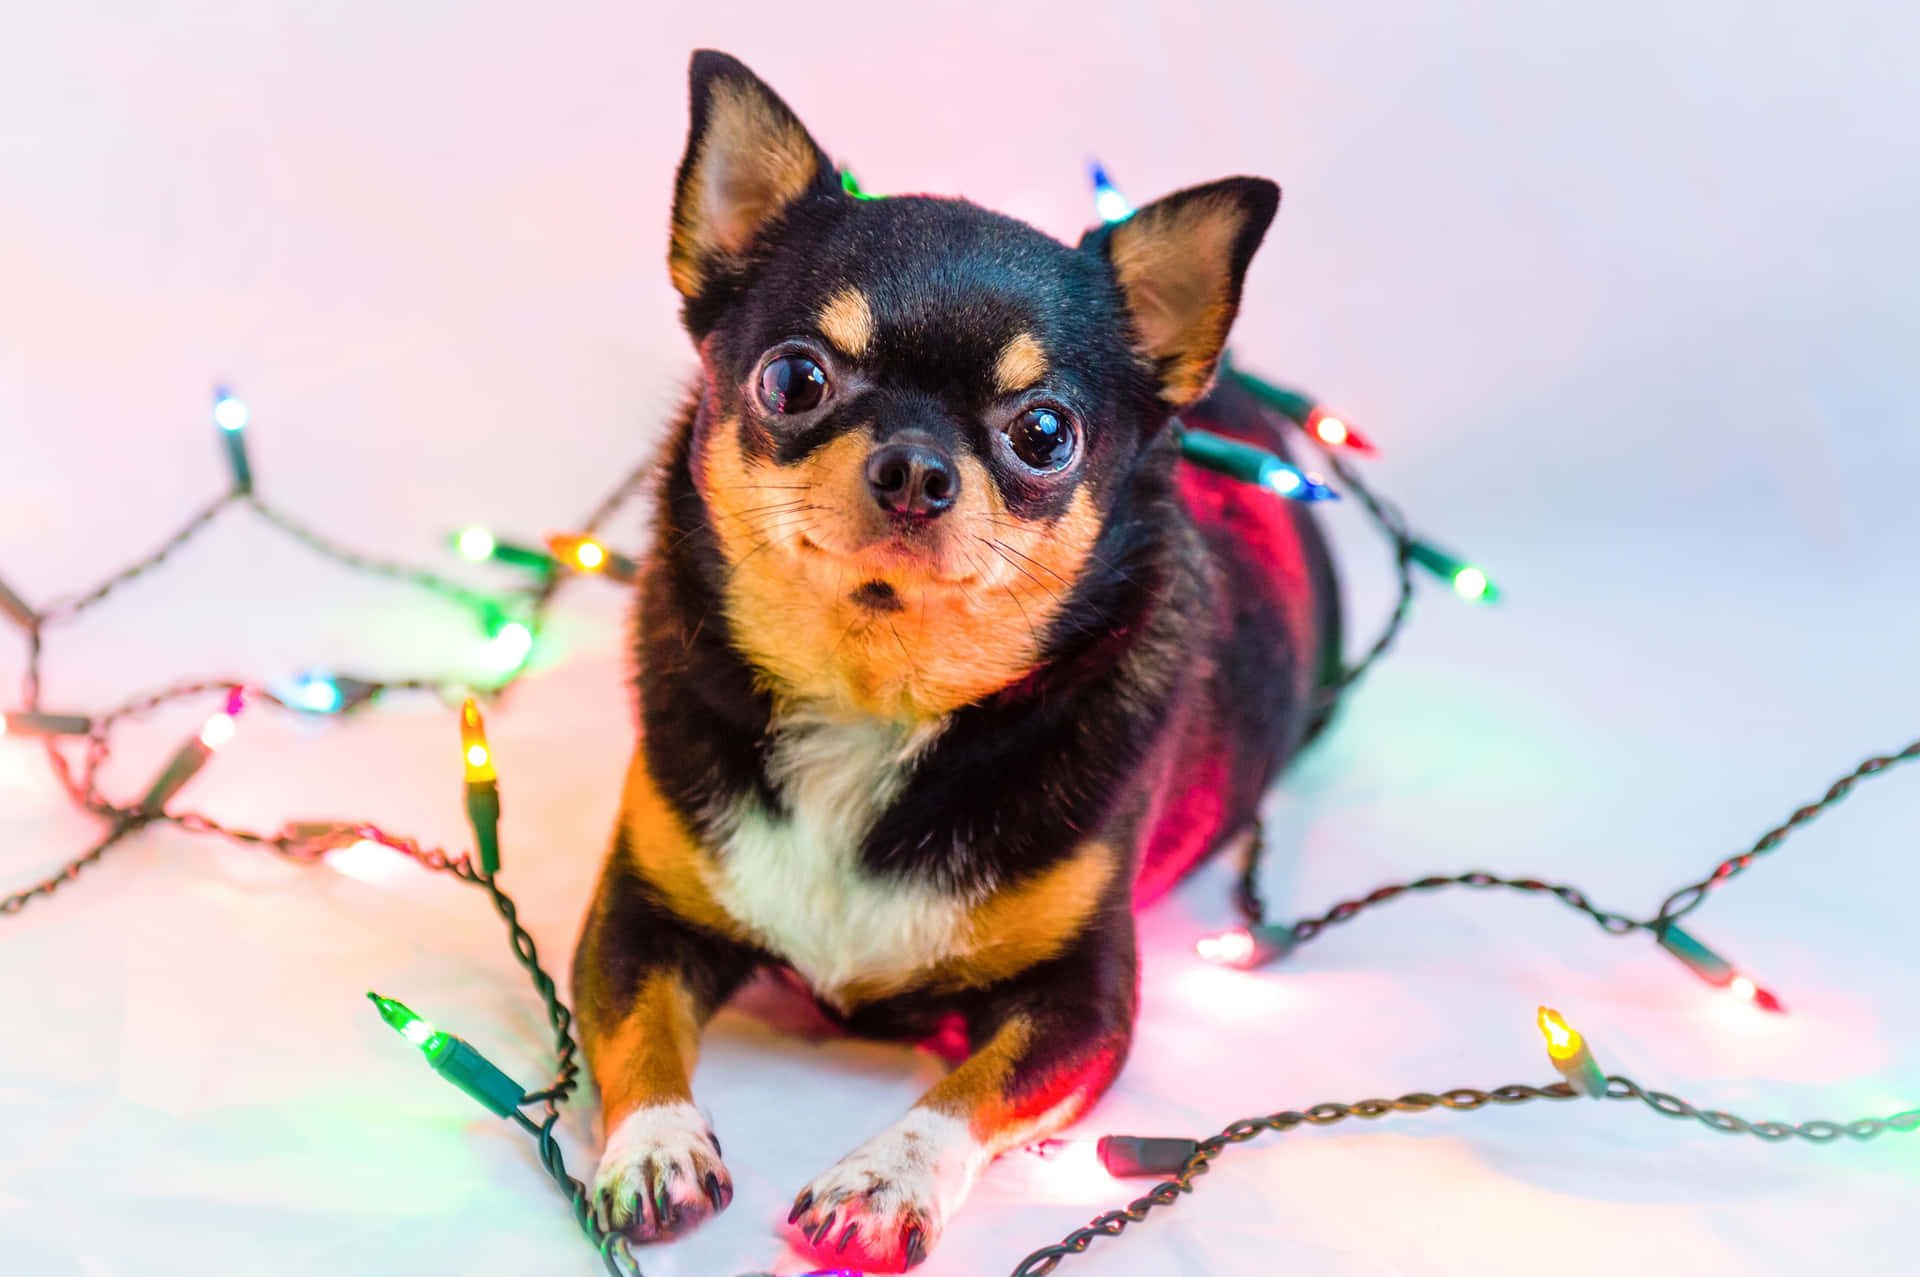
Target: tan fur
(976, 1093)
(973, 614)
(972, 1092)
(847, 321)
(1011, 930)
(662, 850)
(647, 1058)
(1022, 363)
(753, 162)
(1176, 267)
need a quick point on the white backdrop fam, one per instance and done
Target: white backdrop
(1626, 294)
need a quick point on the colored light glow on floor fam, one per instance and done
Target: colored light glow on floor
(509, 648)
(1230, 948)
(1072, 1168)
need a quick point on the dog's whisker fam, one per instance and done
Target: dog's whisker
(1015, 564)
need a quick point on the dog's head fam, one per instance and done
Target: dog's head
(919, 417)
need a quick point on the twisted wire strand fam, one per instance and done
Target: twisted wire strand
(1461, 1099)
(83, 788)
(67, 609)
(1612, 923)
(72, 869)
(1677, 905)
(1387, 517)
(328, 548)
(622, 493)
(1692, 896)
(614, 1252)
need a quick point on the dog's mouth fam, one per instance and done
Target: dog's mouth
(915, 558)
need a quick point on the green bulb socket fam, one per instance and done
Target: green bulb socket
(1236, 460)
(483, 813)
(48, 724)
(1131, 1155)
(522, 556)
(181, 768)
(1291, 404)
(1699, 959)
(236, 443)
(456, 1060)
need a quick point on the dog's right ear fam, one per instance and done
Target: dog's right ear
(748, 160)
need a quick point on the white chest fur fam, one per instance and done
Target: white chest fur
(794, 878)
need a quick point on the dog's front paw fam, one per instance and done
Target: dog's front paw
(885, 1204)
(661, 1174)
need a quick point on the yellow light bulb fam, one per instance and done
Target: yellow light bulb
(584, 553)
(1562, 1041)
(473, 744)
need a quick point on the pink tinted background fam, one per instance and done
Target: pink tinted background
(1627, 295)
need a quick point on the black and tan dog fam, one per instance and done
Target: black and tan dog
(945, 662)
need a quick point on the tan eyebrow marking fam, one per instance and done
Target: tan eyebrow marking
(847, 321)
(1021, 363)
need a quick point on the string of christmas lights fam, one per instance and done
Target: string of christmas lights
(309, 842)
(1259, 941)
(1570, 1056)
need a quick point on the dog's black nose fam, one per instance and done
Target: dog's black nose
(912, 479)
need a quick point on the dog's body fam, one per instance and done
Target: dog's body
(945, 662)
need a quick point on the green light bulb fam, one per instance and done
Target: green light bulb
(403, 1021)
(454, 1059)
(852, 187)
(476, 543)
(1470, 583)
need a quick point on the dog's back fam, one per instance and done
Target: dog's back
(1274, 655)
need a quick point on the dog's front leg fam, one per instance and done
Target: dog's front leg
(654, 963)
(1045, 1044)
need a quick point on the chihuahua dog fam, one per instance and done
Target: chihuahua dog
(946, 662)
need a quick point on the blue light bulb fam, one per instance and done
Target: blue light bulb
(229, 412)
(316, 693)
(1107, 199)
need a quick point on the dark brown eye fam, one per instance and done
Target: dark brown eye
(792, 384)
(1043, 440)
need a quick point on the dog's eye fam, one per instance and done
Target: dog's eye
(792, 384)
(1043, 439)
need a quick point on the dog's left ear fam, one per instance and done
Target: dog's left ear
(1180, 262)
(748, 160)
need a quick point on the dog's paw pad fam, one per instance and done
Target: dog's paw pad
(884, 1205)
(661, 1175)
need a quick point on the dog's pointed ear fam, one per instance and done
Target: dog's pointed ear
(748, 160)
(1179, 263)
